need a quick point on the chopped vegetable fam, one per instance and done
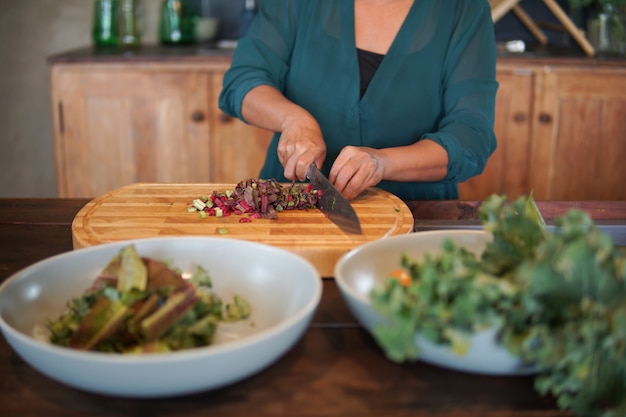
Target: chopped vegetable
(237, 309)
(143, 305)
(173, 309)
(558, 300)
(257, 198)
(101, 321)
(132, 272)
(401, 275)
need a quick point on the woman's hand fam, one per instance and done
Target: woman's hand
(301, 143)
(355, 169)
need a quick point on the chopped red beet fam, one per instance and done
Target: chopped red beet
(261, 199)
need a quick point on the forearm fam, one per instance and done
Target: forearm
(267, 108)
(301, 141)
(423, 161)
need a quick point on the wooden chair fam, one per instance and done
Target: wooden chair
(501, 7)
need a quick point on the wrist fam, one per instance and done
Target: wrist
(298, 117)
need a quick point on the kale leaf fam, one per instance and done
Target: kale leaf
(558, 299)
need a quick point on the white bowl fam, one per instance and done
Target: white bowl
(282, 289)
(363, 268)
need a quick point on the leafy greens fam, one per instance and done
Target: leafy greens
(558, 300)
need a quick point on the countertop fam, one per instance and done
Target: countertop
(336, 369)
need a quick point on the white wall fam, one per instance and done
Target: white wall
(30, 31)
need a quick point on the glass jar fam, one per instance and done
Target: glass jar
(606, 30)
(207, 23)
(129, 23)
(177, 25)
(104, 27)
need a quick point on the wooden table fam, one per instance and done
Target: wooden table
(336, 369)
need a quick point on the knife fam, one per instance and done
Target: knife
(332, 203)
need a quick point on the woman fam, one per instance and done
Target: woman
(397, 94)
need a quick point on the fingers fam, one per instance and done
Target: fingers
(298, 147)
(355, 169)
(297, 159)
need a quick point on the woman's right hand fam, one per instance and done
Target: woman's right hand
(301, 143)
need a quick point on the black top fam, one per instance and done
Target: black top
(368, 64)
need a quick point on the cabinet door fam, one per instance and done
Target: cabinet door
(237, 149)
(117, 126)
(506, 170)
(579, 145)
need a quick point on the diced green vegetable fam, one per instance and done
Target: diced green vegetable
(199, 204)
(237, 310)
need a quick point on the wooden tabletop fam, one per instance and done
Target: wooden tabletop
(336, 369)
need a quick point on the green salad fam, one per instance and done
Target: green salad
(558, 300)
(141, 305)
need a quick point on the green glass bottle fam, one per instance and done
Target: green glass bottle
(129, 24)
(178, 22)
(105, 28)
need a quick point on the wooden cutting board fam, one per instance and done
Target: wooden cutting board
(155, 210)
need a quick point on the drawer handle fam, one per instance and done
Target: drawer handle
(519, 117)
(197, 116)
(545, 118)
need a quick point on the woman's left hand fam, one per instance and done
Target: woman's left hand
(355, 169)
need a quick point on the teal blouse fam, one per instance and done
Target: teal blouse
(437, 81)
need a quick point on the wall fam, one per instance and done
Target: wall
(31, 31)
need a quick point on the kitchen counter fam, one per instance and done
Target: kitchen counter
(336, 369)
(145, 53)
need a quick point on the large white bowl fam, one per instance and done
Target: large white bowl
(283, 290)
(361, 269)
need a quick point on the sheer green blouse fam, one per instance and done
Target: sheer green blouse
(437, 81)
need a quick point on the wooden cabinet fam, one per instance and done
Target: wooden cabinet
(579, 146)
(117, 123)
(560, 134)
(507, 169)
(237, 149)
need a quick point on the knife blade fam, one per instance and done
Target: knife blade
(332, 203)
